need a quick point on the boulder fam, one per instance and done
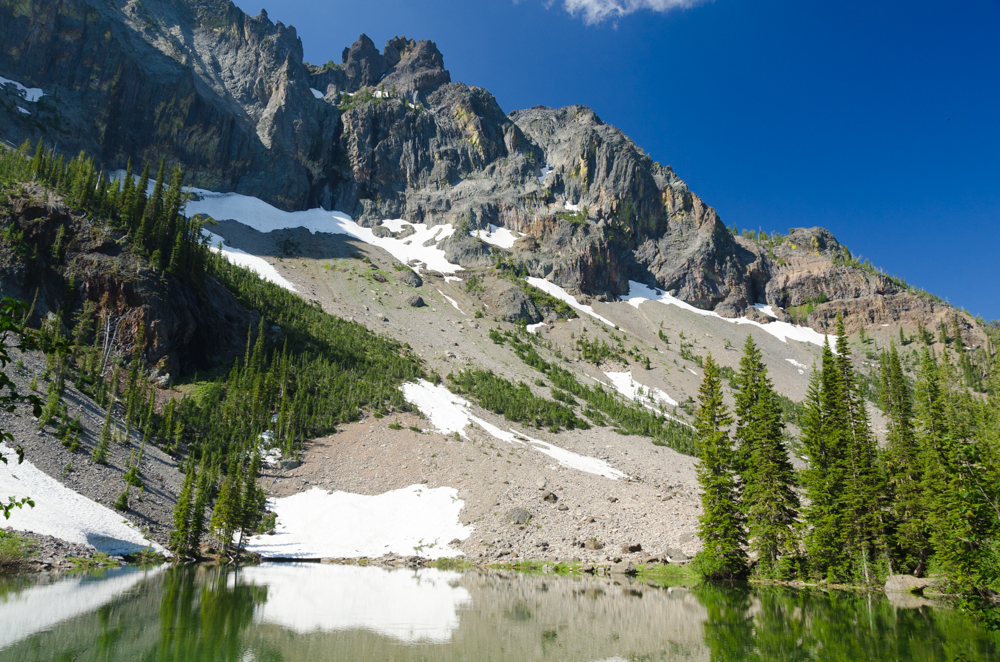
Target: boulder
(415, 301)
(410, 278)
(549, 496)
(623, 568)
(593, 544)
(675, 555)
(631, 548)
(519, 515)
(905, 584)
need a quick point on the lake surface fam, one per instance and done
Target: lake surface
(311, 612)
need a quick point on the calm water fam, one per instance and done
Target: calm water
(323, 612)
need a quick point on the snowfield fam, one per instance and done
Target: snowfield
(30, 94)
(783, 331)
(415, 520)
(633, 390)
(62, 513)
(411, 607)
(450, 413)
(551, 288)
(259, 215)
(241, 258)
(496, 236)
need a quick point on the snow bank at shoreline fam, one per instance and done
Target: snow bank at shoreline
(65, 514)
(415, 520)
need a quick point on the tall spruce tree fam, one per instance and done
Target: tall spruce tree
(179, 537)
(904, 468)
(721, 525)
(865, 487)
(769, 500)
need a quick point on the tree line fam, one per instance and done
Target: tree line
(927, 501)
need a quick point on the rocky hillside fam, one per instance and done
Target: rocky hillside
(387, 134)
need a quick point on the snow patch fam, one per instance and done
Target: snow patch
(783, 331)
(496, 236)
(62, 513)
(533, 328)
(767, 310)
(545, 173)
(551, 288)
(316, 93)
(692, 372)
(571, 207)
(797, 364)
(411, 607)
(450, 413)
(263, 217)
(452, 279)
(30, 94)
(451, 301)
(415, 520)
(41, 607)
(241, 258)
(23, 111)
(633, 390)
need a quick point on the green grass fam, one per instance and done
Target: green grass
(14, 550)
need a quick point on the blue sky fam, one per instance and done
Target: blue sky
(877, 120)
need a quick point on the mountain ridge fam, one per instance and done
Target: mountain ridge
(387, 134)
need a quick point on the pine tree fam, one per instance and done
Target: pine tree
(100, 454)
(180, 536)
(904, 468)
(769, 500)
(201, 501)
(721, 525)
(228, 513)
(865, 489)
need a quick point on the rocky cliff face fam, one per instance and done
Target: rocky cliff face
(387, 134)
(57, 260)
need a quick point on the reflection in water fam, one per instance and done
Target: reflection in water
(43, 605)
(306, 612)
(407, 606)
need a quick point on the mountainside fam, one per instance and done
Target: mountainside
(389, 135)
(376, 279)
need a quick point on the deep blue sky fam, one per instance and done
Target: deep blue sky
(877, 120)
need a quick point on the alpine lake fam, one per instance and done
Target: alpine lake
(316, 612)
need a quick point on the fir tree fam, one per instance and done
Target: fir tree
(904, 468)
(198, 511)
(769, 500)
(721, 525)
(180, 536)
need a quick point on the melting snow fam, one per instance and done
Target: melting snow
(413, 520)
(40, 607)
(263, 217)
(411, 607)
(450, 413)
(451, 301)
(767, 310)
(62, 513)
(258, 265)
(24, 111)
(781, 330)
(545, 173)
(532, 328)
(571, 207)
(551, 288)
(633, 390)
(316, 93)
(30, 94)
(496, 236)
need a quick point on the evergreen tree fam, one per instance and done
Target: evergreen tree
(227, 516)
(182, 514)
(865, 489)
(197, 520)
(904, 468)
(100, 454)
(721, 525)
(769, 500)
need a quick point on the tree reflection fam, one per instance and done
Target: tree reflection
(204, 615)
(769, 623)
